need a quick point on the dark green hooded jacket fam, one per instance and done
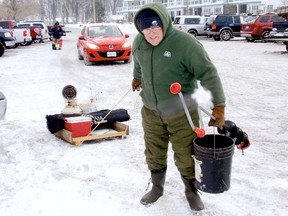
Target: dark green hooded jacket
(178, 58)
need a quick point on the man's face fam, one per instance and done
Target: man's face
(153, 35)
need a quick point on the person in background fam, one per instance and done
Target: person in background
(164, 55)
(57, 33)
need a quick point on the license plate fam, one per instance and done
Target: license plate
(111, 54)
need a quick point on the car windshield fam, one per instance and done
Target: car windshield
(104, 31)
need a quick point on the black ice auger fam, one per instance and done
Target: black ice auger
(231, 130)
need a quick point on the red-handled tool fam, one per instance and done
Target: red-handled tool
(175, 88)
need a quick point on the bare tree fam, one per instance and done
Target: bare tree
(49, 10)
(53, 6)
(115, 4)
(99, 10)
(19, 9)
(12, 9)
(284, 2)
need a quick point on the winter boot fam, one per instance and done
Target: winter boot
(192, 195)
(53, 46)
(158, 180)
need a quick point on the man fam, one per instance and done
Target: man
(163, 55)
(57, 33)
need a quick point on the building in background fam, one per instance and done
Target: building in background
(198, 7)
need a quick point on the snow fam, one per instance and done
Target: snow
(42, 175)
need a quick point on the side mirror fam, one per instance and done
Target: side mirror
(81, 37)
(127, 35)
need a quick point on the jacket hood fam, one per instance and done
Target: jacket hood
(162, 12)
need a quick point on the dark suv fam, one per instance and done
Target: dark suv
(225, 27)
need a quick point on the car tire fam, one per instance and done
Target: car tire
(193, 33)
(37, 40)
(128, 61)
(226, 35)
(286, 44)
(86, 60)
(216, 37)
(265, 34)
(2, 49)
(24, 43)
(79, 56)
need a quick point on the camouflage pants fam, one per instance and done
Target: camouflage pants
(159, 131)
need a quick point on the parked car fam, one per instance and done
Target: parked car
(191, 24)
(21, 35)
(7, 39)
(42, 25)
(103, 42)
(279, 29)
(35, 33)
(3, 105)
(2, 49)
(225, 27)
(260, 27)
(279, 33)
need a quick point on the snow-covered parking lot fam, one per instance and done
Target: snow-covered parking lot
(42, 175)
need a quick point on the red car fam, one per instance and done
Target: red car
(259, 27)
(103, 42)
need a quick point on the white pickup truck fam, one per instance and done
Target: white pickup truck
(192, 24)
(44, 29)
(21, 35)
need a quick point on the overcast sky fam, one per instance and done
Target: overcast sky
(274, 2)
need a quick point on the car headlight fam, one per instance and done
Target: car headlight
(92, 46)
(126, 45)
(7, 34)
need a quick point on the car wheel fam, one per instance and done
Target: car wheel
(86, 60)
(79, 56)
(265, 34)
(29, 43)
(37, 40)
(2, 49)
(226, 35)
(192, 33)
(128, 61)
(24, 43)
(216, 38)
(286, 44)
